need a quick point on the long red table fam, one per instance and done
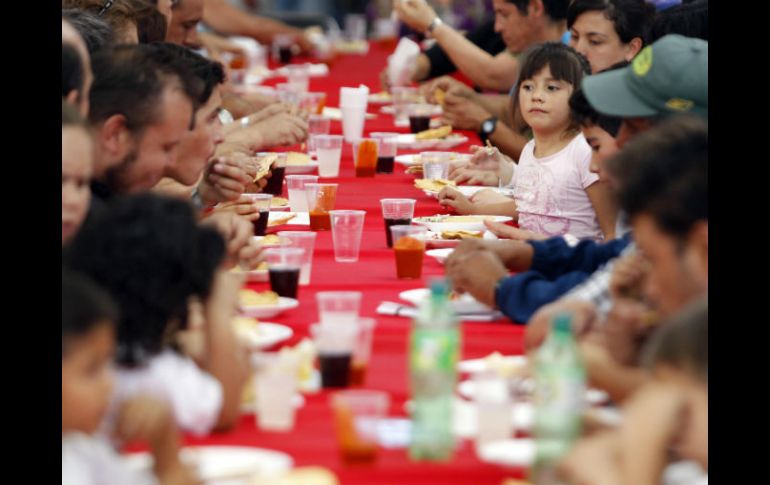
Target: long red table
(312, 442)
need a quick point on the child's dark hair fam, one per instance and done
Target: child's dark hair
(150, 254)
(664, 173)
(682, 342)
(565, 63)
(84, 306)
(584, 114)
(630, 18)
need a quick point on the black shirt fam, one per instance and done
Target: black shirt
(484, 36)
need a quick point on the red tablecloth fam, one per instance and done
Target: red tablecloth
(312, 442)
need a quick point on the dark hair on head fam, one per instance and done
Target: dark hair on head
(84, 306)
(72, 71)
(688, 19)
(211, 73)
(128, 81)
(151, 25)
(96, 33)
(120, 15)
(682, 342)
(150, 254)
(629, 17)
(664, 173)
(585, 115)
(565, 63)
(556, 9)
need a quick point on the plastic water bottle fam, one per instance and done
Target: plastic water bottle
(560, 379)
(434, 348)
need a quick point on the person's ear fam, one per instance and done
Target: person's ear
(535, 8)
(633, 48)
(114, 136)
(72, 97)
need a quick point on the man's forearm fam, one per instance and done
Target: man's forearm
(494, 103)
(225, 18)
(473, 61)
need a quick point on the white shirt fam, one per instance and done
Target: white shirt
(89, 461)
(194, 395)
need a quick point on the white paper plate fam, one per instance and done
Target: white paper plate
(223, 464)
(594, 397)
(309, 167)
(457, 226)
(336, 114)
(390, 109)
(473, 366)
(407, 141)
(263, 335)
(464, 304)
(269, 311)
(300, 218)
(439, 255)
(451, 141)
(406, 160)
(514, 452)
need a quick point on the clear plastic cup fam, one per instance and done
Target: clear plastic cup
(493, 408)
(328, 151)
(283, 266)
(288, 93)
(338, 307)
(295, 185)
(402, 96)
(313, 103)
(357, 415)
(320, 200)
(275, 385)
(365, 155)
(306, 241)
(387, 151)
(262, 203)
(282, 47)
(316, 125)
(409, 250)
(347, 227)
(334, 345)
(435, 165)
(419, 116)
(396, 212)
(355, 27)
(299, 77)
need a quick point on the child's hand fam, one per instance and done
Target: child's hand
(144, 418)
(449, 197)
(624, 325)
(489, 196)
(473, 176)
(504, 231)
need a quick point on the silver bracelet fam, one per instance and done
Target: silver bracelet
(245, 121)
(433, 24)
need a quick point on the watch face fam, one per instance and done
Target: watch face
(487, 126)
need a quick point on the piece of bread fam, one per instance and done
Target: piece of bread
(282, 220)
(257, 298)
(433, 185)
(461, 234)
(279, 202)
(297, 158)
(439, 94)
(435, 133)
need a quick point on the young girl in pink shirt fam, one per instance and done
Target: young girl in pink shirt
(554, 191)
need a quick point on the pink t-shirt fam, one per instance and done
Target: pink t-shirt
(550, 192)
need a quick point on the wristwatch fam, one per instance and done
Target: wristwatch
(487, 128)
(197, 200)
(433, 24)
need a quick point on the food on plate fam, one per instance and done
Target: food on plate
(279, 202)
(504, 367)
(258, 298)
(297, 158)
(453, 235)
(434, 133)
(433, 185)
(282, 219)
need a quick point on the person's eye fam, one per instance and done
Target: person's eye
(595, 42)
(595, 147)
(553, 87)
